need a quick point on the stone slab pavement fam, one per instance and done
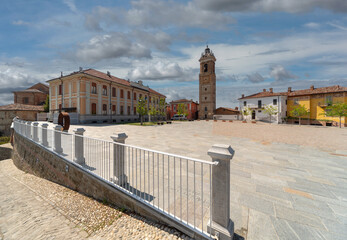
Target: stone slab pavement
(278, 190)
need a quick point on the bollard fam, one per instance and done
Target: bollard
(44, 140)
(28, 130)
(119, 176)
(79, 149)
(221, 225)
(57, 139)
(35, 130)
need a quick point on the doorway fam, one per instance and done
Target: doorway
(253, 115)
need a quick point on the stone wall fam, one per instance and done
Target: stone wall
(32, 158)
(6, 118)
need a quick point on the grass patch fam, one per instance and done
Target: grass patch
(4, 140)
(144, 124)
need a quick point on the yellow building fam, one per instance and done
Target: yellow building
(316, 100)
(93, 96)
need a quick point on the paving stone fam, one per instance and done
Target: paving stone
(274, 192)
(257, 203)
(310, 187)
(283, 230)
(305, 232)
(335, 227)
(260, 226)
(298, 217)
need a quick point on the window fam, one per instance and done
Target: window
(286, 102)
(60, 107)
(104, 109)
(114, 109)
(134, 96)
(274, 102)
(121, 110)
(205, 98)
(205, 108)
(60, 89)
(205, 89)
(25, 100)
(121, 93)
(129, 95)
(134, 110)
(244, 103)
(94, 88)
(157, 101)
(113, 92)
(329, 100)
(93, 108)
(259, 103)
(104, 90)
(296, 101)
(145, 97)
(128, 110)
(140, 95)
(174, 107)
(205, 67)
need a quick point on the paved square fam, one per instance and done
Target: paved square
(278, 190)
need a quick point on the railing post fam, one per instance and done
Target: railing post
(221, 225)
(119, 176)
(57, 139)
(35, 130)
(79, 149)
(44, 141)
(28, 129)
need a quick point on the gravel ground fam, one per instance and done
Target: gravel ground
(99, 219)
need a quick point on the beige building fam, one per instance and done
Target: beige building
(94, 96)
(207, 85)
(35, 95)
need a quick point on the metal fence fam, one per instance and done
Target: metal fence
(177, 186)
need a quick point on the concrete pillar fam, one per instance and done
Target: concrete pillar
(44, 141)
(35, 131)
(79, 149)
(119, 176)
(57, 139)
(28, 130)
(221, 225)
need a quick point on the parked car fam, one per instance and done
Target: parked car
(179, 117)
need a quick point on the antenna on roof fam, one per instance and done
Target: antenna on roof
(81, 69)
(108, 74)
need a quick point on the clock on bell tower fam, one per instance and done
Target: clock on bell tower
(207, 85)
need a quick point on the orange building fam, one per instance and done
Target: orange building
(94, 96)
(35, 95)
(191, 108)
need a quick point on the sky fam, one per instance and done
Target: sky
(257, 43)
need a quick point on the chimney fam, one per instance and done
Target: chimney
(243, 95)
(236, 108)
(270, 90)
(312, 87)
(108, 74)
(264, 90)
(289, 89)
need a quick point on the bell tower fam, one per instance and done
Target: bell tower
(207, 85)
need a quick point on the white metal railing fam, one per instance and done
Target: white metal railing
(177, 186)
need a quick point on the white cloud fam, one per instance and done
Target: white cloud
(337, 26)
(292, 6)
(71, 5)
(20, 23)
(312, 25)
(255, 78)
(110, 46)
(279, 73)
(162, 71)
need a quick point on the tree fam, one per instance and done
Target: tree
(299, 111)
(162, 106)
(182, 109)
(152, 111)
(141, 108)
(46, 105)
(336, 110)
(247, 112)
(270, 110)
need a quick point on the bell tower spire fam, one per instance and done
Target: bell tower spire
(207, 84)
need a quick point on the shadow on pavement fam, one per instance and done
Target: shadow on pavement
(5, 152)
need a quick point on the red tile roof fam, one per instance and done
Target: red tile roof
(31, 90)
(310, 91)
(330, 89)
(265, 94)
(229, 109)
(21, 107)
(105, 76)
(182, 100)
